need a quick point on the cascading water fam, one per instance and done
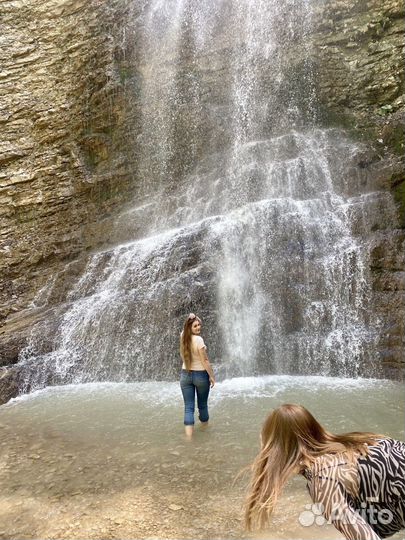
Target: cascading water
(245, 213)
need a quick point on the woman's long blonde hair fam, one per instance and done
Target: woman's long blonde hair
(291, 439)
(185, 340)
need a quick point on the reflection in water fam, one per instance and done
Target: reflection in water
(109, 461)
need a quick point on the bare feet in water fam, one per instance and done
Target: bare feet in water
(189, 432)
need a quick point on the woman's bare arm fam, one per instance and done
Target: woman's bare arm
(207, 366)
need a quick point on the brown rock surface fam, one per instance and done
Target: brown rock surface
(359, 59)
(64, 165)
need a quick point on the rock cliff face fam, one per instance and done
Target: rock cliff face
(65, 165)
(70, 109)
(359, 51)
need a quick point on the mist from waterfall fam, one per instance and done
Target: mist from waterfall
(247, 212)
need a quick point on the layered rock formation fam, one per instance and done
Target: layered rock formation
(361, 85)
(70, 110)
(66, 166)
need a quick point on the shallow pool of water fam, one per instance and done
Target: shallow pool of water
(110, 461)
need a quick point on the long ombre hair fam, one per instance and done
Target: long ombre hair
(185, 340)
(291, 439)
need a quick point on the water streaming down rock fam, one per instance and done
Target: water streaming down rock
(246, 212)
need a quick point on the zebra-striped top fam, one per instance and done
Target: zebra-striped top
(364, 500)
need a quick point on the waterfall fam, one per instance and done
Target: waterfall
(247, 212)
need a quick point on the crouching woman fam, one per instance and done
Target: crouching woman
(356, 479)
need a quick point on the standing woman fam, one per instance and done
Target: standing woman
(197, 375)
(356, 479)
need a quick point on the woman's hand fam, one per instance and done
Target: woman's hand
(212, 381)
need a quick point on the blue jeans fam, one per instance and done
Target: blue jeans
(192, 382)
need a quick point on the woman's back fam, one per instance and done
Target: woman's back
(197, 343)
(365, 496)
(382, 482)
